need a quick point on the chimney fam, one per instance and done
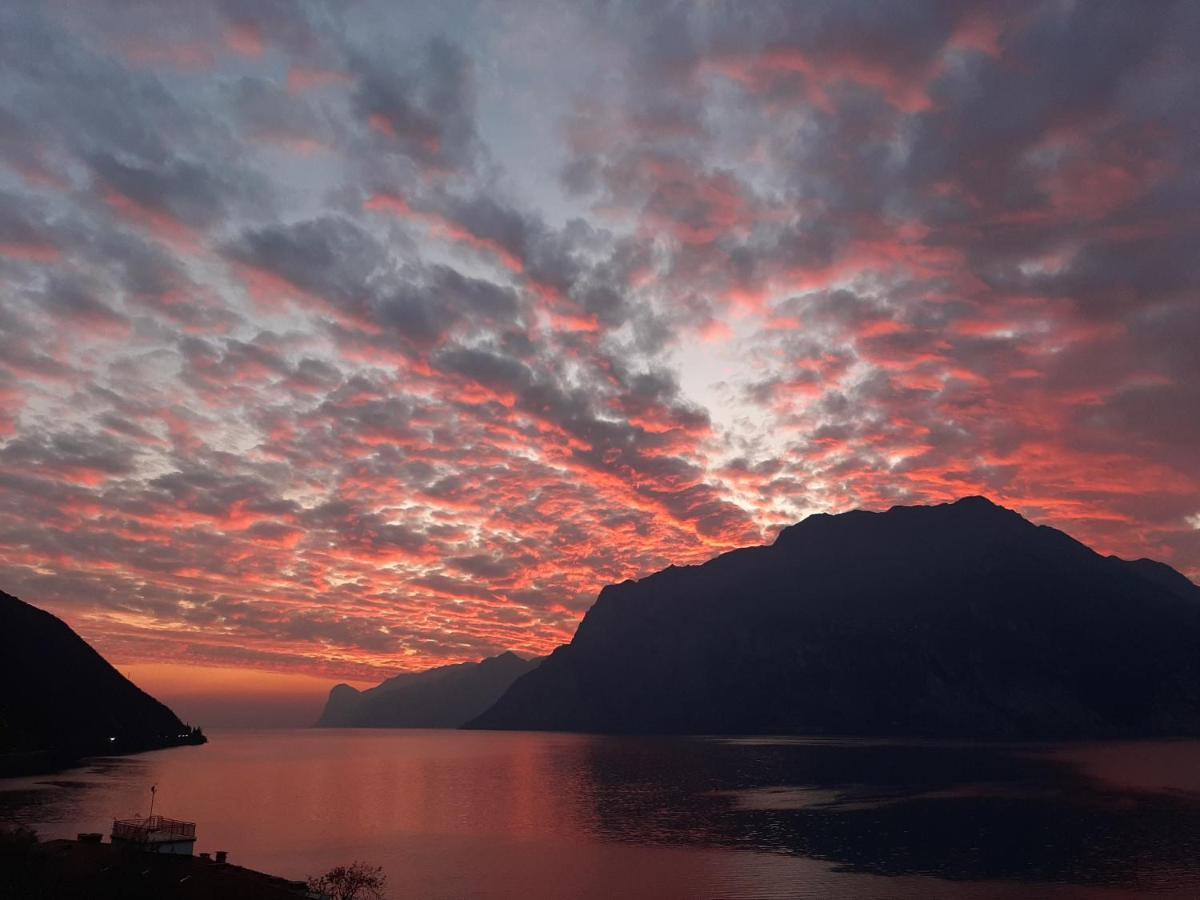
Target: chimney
(205, 856)
(221, 856)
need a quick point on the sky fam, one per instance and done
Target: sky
(343, 339)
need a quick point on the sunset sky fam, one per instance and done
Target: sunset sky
(342, 339)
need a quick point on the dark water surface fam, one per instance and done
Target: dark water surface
(476, 814)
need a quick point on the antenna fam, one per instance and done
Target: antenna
(153, 791)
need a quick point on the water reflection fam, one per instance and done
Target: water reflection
(1015, 813)
(453, 814)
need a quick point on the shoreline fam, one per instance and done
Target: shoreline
(57, 759)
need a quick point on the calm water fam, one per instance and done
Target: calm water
(475, 814)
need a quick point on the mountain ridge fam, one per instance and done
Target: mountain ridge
(442, 697)
(959, 619)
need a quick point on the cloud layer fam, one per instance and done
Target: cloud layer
(343, 342)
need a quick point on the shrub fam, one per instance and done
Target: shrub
(357, 881)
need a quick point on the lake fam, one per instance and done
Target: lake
(452, 814)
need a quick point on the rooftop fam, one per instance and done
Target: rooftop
(64, 868)
(153, 830)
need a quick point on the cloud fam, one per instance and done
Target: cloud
(348, 346)
(424, 111)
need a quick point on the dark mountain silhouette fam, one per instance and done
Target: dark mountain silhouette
(962, 619)
(61, 700)
(445, 697)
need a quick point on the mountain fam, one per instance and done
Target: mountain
(962, 619)
(61, 700)
(445, 697)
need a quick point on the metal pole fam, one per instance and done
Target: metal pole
(153, 792)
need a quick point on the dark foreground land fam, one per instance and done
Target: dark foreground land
(71, 870)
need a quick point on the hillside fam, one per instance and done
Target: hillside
(62, 700)
(961, 619)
